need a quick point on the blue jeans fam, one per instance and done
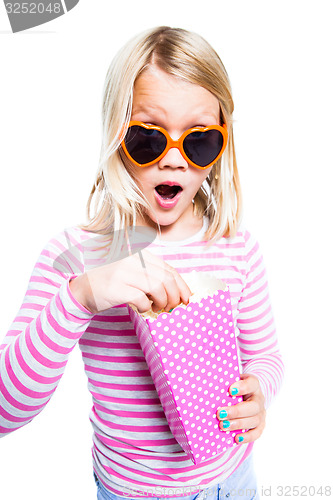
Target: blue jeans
(241, 485)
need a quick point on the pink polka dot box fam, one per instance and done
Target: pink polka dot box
(192, 356)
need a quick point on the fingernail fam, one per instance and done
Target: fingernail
(226, 424)
(223, 414)
(240, 439)
(234, 391)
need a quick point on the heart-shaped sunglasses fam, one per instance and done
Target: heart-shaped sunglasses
(201, 147)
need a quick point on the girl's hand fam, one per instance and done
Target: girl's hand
(137, 279)
(249, 414)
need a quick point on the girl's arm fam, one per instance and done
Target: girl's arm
(52, 318)
(257, 338)
(260, 357)
(49, 323)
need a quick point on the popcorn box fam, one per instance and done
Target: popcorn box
(192, 356)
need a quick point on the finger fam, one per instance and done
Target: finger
(172, 290)
(149, 279)
(251, 435)
(158, 297)
(240, 423)
(146, 258)
(161, 288)
(241, 410)
(138, 299)
(247, 385)
(184, 289)
(176, 289)
(144, 301)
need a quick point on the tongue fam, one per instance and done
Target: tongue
(166, 191)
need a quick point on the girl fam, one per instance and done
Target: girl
(167, 165)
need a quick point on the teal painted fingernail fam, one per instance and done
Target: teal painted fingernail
(226, 424)
(223, 414)
(234, 391)
(240, 439)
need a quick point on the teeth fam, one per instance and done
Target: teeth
(166, 191)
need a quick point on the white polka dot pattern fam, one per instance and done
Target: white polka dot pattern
(192, 357)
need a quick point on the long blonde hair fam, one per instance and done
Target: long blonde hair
(118, 199)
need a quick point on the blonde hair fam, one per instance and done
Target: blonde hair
(118, 199)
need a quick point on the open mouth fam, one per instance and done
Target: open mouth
(168, 192)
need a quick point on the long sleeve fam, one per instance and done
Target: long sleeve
(48, 325)
(257, 338)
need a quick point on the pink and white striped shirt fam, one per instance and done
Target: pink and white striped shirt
(133, 450)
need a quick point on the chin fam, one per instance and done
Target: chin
(163, 219)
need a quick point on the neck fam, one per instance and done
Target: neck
(179, 230)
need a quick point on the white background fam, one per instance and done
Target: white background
(279, 58)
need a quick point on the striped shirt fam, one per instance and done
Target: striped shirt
(134, 451)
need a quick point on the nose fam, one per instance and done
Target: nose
(173, 159)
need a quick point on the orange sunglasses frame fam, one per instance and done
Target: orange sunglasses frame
(177, 144)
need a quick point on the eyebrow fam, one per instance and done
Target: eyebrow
(147, 108)
(154, 114)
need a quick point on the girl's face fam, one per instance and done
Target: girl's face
(164, 100)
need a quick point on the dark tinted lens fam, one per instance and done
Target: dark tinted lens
(144, 145)
(203, 147)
